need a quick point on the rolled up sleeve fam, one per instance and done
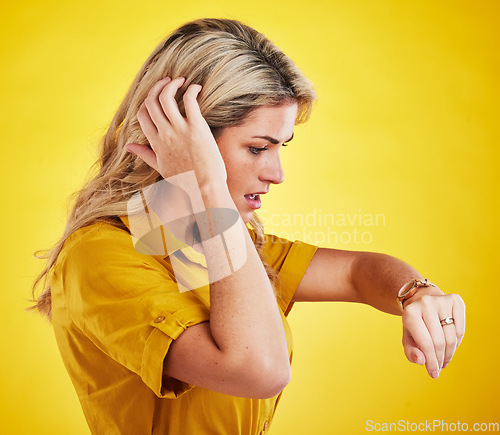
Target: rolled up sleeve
(128, 304)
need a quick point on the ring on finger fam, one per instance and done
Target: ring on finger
(447, 321)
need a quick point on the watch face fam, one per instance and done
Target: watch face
(405, 293)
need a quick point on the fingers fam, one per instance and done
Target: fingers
(454, 332)
(168, 102)
(412, 352)
(190, 103)
(437, 333)
(178, 143)
(425, 337)
(147, 125)
(161, 106)
(450, 334)
(417, 329)
(144, 152)
(459, 316)
(152, 104)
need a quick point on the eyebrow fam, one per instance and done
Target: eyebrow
(272, 139)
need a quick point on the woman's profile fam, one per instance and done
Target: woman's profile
(167, 298)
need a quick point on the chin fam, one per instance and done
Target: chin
(246, 216)
(245, 212)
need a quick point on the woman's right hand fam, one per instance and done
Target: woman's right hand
(178, 144)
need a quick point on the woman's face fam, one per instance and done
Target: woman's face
(251, 154)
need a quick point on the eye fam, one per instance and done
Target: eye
(256, 151)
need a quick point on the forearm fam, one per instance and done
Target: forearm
(244, 316)
(377, 279)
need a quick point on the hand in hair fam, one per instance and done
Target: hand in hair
(178, 144)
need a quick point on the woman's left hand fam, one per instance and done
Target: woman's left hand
(427, 338)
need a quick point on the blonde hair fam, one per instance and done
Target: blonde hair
(239, 70)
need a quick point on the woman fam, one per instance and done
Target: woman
(182, 328)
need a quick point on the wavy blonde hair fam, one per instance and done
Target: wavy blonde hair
(239, 70)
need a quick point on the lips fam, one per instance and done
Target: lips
(253, 200)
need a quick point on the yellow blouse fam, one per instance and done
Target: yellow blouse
(115, 313)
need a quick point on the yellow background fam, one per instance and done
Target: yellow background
(406, 126)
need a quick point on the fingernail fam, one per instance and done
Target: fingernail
(416, 359)
(435, 374)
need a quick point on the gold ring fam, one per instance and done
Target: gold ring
(447, 321)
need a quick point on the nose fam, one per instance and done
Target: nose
(272, 171)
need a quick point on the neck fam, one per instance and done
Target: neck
(173, 208)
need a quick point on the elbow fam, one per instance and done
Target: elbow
(276, 382)
(267, 377)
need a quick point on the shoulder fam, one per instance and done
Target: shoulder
(99, 266)
(100, 248)
(290, 259)
(100, 238)
(95, 233)
(280, 252)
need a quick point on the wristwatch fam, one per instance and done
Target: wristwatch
(410, 288)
